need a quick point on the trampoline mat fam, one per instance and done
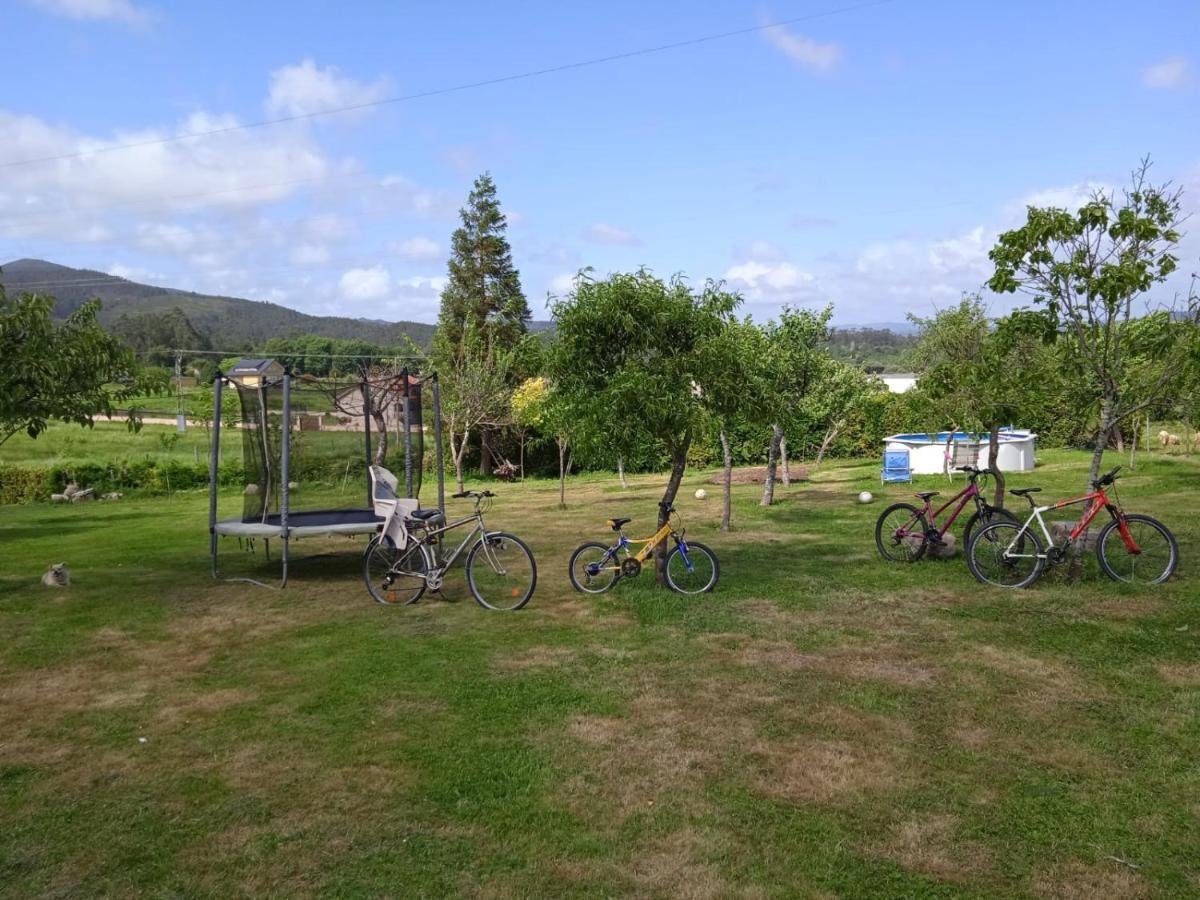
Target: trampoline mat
(324, 521)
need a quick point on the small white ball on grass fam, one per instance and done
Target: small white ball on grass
(865, 497)
(701, 493)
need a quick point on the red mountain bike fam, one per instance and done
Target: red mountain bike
(1132, 548)
(903, 533)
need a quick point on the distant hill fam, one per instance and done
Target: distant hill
(227, 322)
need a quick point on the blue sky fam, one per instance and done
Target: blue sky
(866, 158)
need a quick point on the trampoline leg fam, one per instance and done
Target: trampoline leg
(283, 584)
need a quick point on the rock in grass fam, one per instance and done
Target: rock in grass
(947, 549)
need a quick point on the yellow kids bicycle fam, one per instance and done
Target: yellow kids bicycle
(691, 567)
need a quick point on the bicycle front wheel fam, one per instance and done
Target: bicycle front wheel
(500, 571)
(900, 533)
(592, 570)
(693, 572)
(1153, 562)
(394, 577)
(986, 516)
(1006, 554)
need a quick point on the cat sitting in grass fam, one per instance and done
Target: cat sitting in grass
(57, 576)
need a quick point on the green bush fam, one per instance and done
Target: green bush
(23, 484)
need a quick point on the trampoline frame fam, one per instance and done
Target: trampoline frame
(313, 522)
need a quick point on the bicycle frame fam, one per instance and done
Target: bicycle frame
(435, 566)
(649, 545)
(970, 492)
(1098, 500)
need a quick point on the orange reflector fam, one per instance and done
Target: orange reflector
(516, 593)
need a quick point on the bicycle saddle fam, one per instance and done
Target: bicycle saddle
(925, 495)
(615, 524)
(428, 516)
(1021, 492)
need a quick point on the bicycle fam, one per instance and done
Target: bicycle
(500, 569)
(1132, 548)
(691, 567)
(903, 532)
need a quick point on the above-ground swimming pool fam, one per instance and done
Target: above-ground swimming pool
(927, 452)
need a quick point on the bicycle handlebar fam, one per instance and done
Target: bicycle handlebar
(462, 494)
(1109, 478)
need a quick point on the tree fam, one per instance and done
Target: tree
(475, 393)
(635, 356)
(528, 405)
(71, 372)
(1088, 272)
(840, 388)
(795, 351)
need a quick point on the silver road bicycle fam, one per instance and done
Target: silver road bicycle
(500, 568)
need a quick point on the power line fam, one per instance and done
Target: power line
(458, 88)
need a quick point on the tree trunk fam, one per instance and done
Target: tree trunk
(994, 464)
(1075, 569)
(562, 471)
(768, 496)
(1119, 434)
(621, 472)
(783, 459)
(522, 439)
(829, 438)
(1133, 446)
(678, 466)
(381, 446)
(485, 451)
(459, 453)
(727, 482)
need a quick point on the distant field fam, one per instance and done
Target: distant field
(824, 724)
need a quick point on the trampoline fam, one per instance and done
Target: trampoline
(301, 437)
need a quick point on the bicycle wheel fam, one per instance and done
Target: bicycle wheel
(695, 573)
(394, 577)
(1155, 563)
(500, 571)
(1006, 554)
(987, 516)
(591, 571)
(900, 533)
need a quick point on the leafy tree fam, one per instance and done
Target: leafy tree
(155, 336)
(634, 355)
(1088, 272)
(475, 393)
(795, 354)
(528, 405)
(840, 388)
(71, 372)
(483, 296)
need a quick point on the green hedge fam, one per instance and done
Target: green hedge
(27, 484)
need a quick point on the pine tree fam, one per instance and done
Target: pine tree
(484, 294)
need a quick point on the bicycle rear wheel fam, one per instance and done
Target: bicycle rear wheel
(500, 571)
(900, 533)
(591, 571)
(986, 516)
(1156, 560)
(1006, 554)
(394, 577)
(695, 573)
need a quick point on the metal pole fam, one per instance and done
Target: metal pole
(214, 459)
(437, 440)
(408, 471)
(284, 474)
(366, 392)
(180, 415)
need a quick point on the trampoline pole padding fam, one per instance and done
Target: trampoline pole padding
(408, 471)
(214, 459)
(437, 440)
(284, 466)
(366, 393)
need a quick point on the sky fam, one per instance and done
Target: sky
(866, 155)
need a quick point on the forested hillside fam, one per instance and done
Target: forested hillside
(225, 322)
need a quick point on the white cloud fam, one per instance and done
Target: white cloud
(600, 233)
(135, 273)
(805, 51)
(121, 11)
(417, 248)
(760, 278)
(1168, 74)
(762, 251)
(563, 284)
(361, 285)
(305, 89)
(309, 255)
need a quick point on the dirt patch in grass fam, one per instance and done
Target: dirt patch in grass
(1184, 675)
(817, 770)
(1126, 608)
(886, 662)
(675, 866)
(929, 844)
(1076, 880)
(757, 475)
(540, 657)
(1044, 684)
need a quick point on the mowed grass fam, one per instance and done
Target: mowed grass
(824, 724)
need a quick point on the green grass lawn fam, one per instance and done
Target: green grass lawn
(824, 724)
